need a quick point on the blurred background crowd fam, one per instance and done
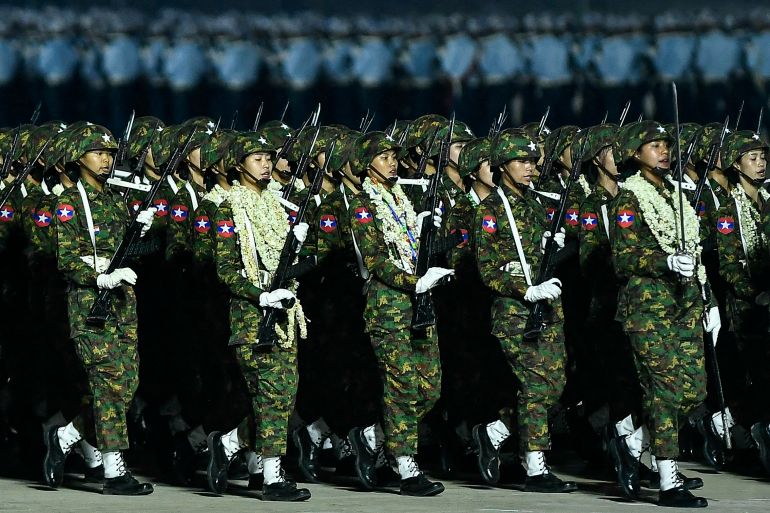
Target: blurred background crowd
(99, 62)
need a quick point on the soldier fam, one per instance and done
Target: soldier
(660, 303)
(386, 226)
(743, 265)
(250, 228)
(90, 224)
(510, 232)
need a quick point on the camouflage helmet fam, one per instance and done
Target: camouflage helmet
(396, 129)
(326, 135)
(250, 142)
(513, 143)
(164, 143)
(559, 140)
(686, 132)
(7, 141)
(141, 134)
(422, 130)
(460, 133)
(472, 155)
(369, 146)
(738, 143)
(58, 148)
(633, 136)
(277, 132)
(204, 129)
(343, 150)
(599, 136)
(88, 137)
(216, 147)
(709, 135)
(39, 137)
(533, 130)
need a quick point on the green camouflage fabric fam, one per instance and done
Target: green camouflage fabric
(369, 146)
(11, 214)
(709, 135)
(472, 155)
(325, 137)
(559, 140)
(216, 147)
(343, 150)
(687, 131)
(539, 367)
(250, 142)
(397, 131)
(461, 133)
(38, 138)
(596, 224)
(54, 153)
(766, 220)
(634, 135)
(204, 128)
(180, 223)
(422, 130)
(203, 237)
(163, 144)
(534, 133)
(87, 138)
(24, 133)
(331, 228)
(409, 362)
(277, 132)
(41, 228)
(34, 194)
(662, 320)
(599, 137)
(141, 134)
(738, 143)
(108, 355)
(513, 143)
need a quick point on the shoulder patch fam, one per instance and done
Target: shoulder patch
(225, 228)
(489, 224)
(589, 221)
(202, 224)
(292, 217)
(162, 206)
(6, 214)
(626, 218)
(464, 234)
(135, 205)
(179, 213)
(549, 213)
(571, 217)
(701, 209)
(65, 212)
(726, 225)
(42, 218)
(328, 223)
(363, 215)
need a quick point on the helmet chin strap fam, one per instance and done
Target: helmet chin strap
(260, 181)
(99, 177)
(614, 178)
(756, 182)
(522, 187)
(661, 172)
(392, 180)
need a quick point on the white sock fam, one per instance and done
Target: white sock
(635, 443)
(341, 446)
(669, 475)
(232, 443)
(68, 436)
(197, 438)
(371, 438)
(91, 454)
(653, 463)
(498, 433)
(534, 463)
(318, 431)
(719, 423)
(625, 427)
(272, 470)
(114, 466)
(254, 462)
(407, 467)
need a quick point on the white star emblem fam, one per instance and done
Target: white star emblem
(105, 138)
(573, 216)
(531, 146)
(363, 215)
(159, 129)
(161, 207)
(660, 129)
(262, 140)
(225, 228)
(724, 225)
(468, 131)
(64, 212)
(579, 130)
(590, 221)
(755, 137)
(728, 131)
(389, 137)
(328, 223)
(42, 218)
(178, 212)
(546, 130)
(5, 213)
(88, 123)
(284, 126)
(202, 224)
(489, 223)
(210, 124)
(625, 218)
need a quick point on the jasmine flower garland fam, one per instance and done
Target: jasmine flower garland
(748, 220)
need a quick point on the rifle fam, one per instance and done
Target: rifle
(255, 126)
(118, 162)
(234, 120)
(99, 312)
(266, 336)
(286, 108)
(289, 144)
(535, 322)
(22, 175)
(129, 182)
(680, 170)
(36, 113)
(424, 314)
(738, 118)
(545, 171)
(624, 113)
(425, 156)
(301, 166)
(759, 121)
(8, 158)
(541, 126)
(710, 163)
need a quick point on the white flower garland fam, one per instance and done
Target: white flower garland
(395, 234)
(217, 194)
(750, 219)
(585, 185)
(663, 219)
(269, 226)
(275, 185)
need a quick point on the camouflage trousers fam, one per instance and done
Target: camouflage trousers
(670, 364)
(110, 359)
(410, 369)
(539, 369)
(271, 380)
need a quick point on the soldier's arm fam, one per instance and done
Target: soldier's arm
(459, 221)
(228, 257)
(73, 243)
(494, 250)
(375, 251)
(732, 258)
(631, 254)
(178, 233)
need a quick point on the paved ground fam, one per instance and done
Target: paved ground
(726, 492)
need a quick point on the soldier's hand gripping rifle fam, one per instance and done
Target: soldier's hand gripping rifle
(266, 336)
(711, 163)
(424, 314)
(536, 320)
(16, 183)
(99, 312)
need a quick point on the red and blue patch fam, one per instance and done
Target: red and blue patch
(626, 218)
(225, 229)
(202, 224)
(590, 221)
(725, 225)
(42, 218)
(489, 224)
(64, 212)
(701, 209)
(162, 206)
(464, 234)
(135, 205)
(179, 213)
(363, 215)
(6, 214)
(572, 217)
(292, 217)
(549, 213)
(328, 223)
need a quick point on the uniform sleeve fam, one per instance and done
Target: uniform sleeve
(571, 221)
(591, 233)
(495, 249)
(228, 257)
(459, 219)
(635, 252)
(74, 243)
(203, 235)
(731, 254)
(179, 228)
(374, 250)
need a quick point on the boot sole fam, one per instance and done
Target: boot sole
(113, 492)
(298, 498)
(431, 493)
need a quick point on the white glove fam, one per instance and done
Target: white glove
(437, 214)
(762, 299)
(558, 239)
(300, 232)
(275, 298)
(712, 322)
(127, 275)
(431, 278)
(115, 278)
(145, 218)
(549, 290)
(681, 264)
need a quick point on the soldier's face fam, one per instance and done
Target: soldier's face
(454, 151)
(566, 157)
(519, 171)
(194, 157)
(753, 164)
(258, 166)
(386, 164)
(606, 160)
(149, 167)
(97, 162)
(485, 173)
(654, 154)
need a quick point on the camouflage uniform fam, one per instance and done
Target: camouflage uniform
(660, 315)
(539, 367)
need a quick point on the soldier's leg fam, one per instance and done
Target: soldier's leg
(427, 362)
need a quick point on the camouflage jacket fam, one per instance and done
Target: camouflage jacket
(155, 239)
(180, 226)
(571, 221)
(498, 260)
(458, 217)
(40, 228)
(651, 293)
(10, 219)
(596, 221)
(74, 243)
(204, 235)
